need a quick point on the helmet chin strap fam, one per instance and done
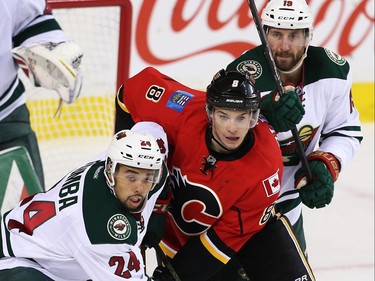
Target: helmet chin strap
(222, 146)
(215, 140)
(297, 66)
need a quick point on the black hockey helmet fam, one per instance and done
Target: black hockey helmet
(232, 90)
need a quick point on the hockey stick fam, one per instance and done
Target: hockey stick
(277, 79)
(166, 262)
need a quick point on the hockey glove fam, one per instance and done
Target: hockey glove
(161, 273)
(156, 224)
(282, 112)
(325, 170)
(54, 66)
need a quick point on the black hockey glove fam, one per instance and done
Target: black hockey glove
(325, 170)
(282, 112)
(156, 224)
(161, 273)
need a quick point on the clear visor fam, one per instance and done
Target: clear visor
(138, 176)
(235, 118)
(290, 37)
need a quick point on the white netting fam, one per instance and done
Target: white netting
(86, 126)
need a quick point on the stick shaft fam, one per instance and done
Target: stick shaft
(279, 84)
(266, 46)
(166, 262)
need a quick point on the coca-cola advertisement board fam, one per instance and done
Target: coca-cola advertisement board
(192, 39)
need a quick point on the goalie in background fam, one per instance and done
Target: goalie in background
(32, 40)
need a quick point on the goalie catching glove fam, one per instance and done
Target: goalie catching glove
(283, 112)
(54, 66)
(325, 169)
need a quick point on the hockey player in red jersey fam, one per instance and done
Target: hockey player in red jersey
(226, 167)
(330, 128)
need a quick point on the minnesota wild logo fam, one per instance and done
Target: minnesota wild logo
(336, 58)
(119, 227)
(289, 147)
(251, 66)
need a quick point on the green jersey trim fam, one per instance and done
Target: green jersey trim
(18, 91)
(34, 30)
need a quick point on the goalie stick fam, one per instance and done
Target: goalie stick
(277, 80)
(166, 262)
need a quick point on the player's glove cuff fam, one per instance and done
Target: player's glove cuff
(331, 162)
(162, 205)
(324, 168)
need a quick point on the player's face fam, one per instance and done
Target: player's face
(132, 185)
(287, 46)
(229, 127)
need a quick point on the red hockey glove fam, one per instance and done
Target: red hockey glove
(156, 224)
(325, 169)
(282, 112)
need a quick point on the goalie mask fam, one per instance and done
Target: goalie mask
(233, 90)
(133, 149)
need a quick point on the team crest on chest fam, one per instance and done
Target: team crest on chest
(118, 227)
(336, 58)
(251, 66)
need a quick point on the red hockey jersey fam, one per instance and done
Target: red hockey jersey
(219, 201)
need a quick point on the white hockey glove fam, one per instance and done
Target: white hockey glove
(54, 66)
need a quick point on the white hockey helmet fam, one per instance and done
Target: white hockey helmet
(292, 14)
(134, 149)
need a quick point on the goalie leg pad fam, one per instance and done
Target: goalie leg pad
(16, 131)
(18, 178)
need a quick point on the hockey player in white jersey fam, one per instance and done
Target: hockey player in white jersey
(329, 130)
(91, 224)
(32, 39)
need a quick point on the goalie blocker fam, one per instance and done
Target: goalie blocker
(54, 66)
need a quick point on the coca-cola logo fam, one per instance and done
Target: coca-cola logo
(227, 26)
(358, 13)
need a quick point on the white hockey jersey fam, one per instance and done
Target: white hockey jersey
(331, 121)
(22, 22)
(77, 230)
